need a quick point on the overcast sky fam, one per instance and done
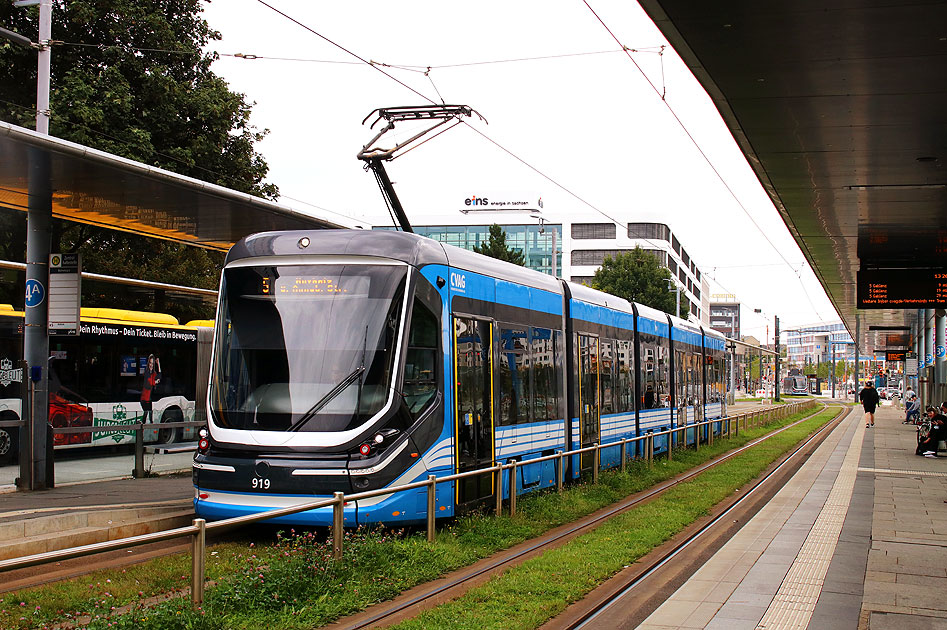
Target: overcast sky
(587, 132)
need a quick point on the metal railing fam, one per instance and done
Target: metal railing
(139, 428)
(198, 529)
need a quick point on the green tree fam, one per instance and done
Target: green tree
(130, 77)
(496, 247)
(637, 276)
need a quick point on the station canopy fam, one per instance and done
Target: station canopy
(98, 188)
(841, 109)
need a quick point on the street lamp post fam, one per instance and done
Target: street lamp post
(673, 286)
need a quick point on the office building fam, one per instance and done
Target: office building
(581, 248)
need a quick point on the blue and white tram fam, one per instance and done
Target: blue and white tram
(349, 360)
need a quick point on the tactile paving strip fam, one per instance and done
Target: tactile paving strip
(793, 604)
(896, 471)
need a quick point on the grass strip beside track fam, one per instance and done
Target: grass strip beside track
(295, 584)
(528, 595)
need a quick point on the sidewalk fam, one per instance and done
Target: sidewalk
(855, 540)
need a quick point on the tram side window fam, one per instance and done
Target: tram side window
(514, 376)
(606, 376)
(420, 370)
(715, 376)
(693, 377)
(543, 360)
(654, 372)
(680, 377)
(624, 377)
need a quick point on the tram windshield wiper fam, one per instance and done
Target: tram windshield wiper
(325, 400)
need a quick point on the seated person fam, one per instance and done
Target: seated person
(927, 444)
(912, 412)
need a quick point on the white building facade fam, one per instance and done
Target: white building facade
(580, 249)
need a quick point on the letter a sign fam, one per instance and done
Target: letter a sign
(35, 293)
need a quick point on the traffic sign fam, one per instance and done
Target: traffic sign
(65, 289)
(35, 293)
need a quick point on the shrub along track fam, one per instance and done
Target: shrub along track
(429, 595)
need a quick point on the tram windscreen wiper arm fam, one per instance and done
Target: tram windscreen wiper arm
(325, 400)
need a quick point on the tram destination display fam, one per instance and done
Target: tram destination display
(902, 288)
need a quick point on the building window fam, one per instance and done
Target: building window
(676, 245)
(593, 230)
(672, 266)
(649, 231)
(681, 276)
(685, 258)
(593, 257)
(697, 274)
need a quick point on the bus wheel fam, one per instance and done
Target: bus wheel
(8, 450)
(170, 436)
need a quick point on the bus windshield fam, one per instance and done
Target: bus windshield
(307, 347)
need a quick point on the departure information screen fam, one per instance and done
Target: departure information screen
(895, 355)
(902, 288)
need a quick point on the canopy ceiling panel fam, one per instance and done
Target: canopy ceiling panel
(841, 109)
(94, 187)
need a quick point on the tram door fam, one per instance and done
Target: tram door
(589, 392)
(473, 361)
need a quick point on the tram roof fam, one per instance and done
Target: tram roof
(841, 110)
(410, 248)
(98, 188)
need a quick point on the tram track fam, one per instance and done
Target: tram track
(426, 596)
(641, 588)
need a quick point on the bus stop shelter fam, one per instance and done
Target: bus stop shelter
(49, 177)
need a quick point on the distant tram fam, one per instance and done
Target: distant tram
(795, 385)
(348, 360)
(96, 378)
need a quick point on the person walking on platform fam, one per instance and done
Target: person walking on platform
(869, 399)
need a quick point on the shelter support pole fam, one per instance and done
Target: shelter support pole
(858, 331)
(940, 354)
(39, 215)
(35, 335)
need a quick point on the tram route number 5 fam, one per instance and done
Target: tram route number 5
(260, 484)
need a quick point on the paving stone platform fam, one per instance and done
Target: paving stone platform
(857, 539)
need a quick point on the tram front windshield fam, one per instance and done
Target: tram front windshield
(305, 348)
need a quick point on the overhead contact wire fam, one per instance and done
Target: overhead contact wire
(706, 157)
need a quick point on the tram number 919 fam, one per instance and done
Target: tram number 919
(260, 484)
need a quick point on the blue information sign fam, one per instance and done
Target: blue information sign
(35, 292)
(939, 351)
